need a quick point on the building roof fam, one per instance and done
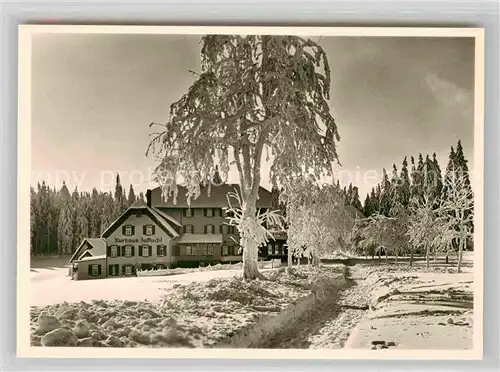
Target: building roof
(217, 198)
(93, 258)
(200, 238)
(97, 248)
(167, 217)
(160, 218)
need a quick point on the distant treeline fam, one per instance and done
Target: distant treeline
(60, 219)
(424, 177)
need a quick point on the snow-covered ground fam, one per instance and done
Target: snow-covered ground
(49, 286)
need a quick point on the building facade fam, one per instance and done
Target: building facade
(166, 233)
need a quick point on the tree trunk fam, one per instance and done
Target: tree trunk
(315, 260)
(250, 246)
(396, 258)
(411, 258)
(290, 258)
(460, 255)
(427, 257)
(308, 260)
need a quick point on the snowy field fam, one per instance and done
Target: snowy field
(49, 286)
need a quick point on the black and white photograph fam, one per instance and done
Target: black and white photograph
(257, 189)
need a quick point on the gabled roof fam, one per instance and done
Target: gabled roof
(159, 219)
(217, 198)
(97, 248)
(200, 238)
(93, 258)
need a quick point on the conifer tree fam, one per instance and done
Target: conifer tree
(65, 232)
(385, 197)
(77, 234)
(404, 187)
(439, 176)
(120, 199)
(355, 202)
(367, 206)
(131, 195)
(108, 210)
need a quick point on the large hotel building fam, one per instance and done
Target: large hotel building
(160, 234)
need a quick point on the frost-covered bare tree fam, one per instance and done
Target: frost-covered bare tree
(257, 97)
(423, 225)
(456, 214)
(318, 222)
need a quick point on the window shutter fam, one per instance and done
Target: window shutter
(184, 212)
(98, 269)
(133, 251)
(90, 270)
(144, 230)
(123, 250)
(158, 250)
(150, 249)
(108, 250)
(205, 229)
(118, 251)
(220, 229)
(153, 229)
(204, 212)
(184, 229)
(133, 230)
(123, 269)
(133, 269)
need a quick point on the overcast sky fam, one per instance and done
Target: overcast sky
(94, 96)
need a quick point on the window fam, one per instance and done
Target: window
(114, 251)
(189, 250)
(224, 229)
(188, 212)
(128, 251)
(145, 251)
(225, 251)
(95, 270)
(269, 249)
(113, 270)
(209, 229)
(209, 212)
(188, 229)
(277, 249)
(148, 231)
(204, 248)
(161, 250)
(128, 270)
(128, 231)
(210, 250)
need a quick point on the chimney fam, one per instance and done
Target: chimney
(148, 197)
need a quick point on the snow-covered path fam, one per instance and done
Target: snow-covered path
(52, 286)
